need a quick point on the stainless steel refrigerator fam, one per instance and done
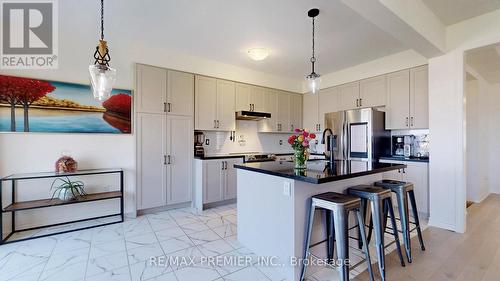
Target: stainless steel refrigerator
(361, 135)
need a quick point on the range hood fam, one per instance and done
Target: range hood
(251, 115)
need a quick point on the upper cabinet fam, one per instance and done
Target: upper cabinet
(295, 112)
(151, 85)
(180, 93)
(372, 91)
(249, 98)
(310, 111)
(328, 102)
(270, 106)
(286, 112)
(407, 99)
(164, 91)
(349, 96)
(419, 97)
(214, 104)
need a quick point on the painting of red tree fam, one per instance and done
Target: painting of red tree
(24, 91)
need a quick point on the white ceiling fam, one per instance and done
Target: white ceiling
(486, 61)
(223, 30)
(453, 11)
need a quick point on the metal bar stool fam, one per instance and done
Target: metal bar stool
(337, 206)
(381, 204)
(404, 191)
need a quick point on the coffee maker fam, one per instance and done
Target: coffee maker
(398, 146)
(199, 140)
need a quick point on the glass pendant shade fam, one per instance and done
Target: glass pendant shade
(313, 82)
(102, 80)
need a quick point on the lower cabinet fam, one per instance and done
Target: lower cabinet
(418, 174)
(164, 168)
(215, 181)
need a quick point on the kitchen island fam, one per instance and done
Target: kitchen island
(274, 198)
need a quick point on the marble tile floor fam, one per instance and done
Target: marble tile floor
(123, 251)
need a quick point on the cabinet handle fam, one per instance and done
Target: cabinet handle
(164, 159)
(357, 102)
(411, 121)
(404, 171)
(168, 161)
(291, 127)
(218, 124)
(319, 127)
(360, 102)
(250, 106)
(407, 122)
(164, 107)
(253, 107)
(169, 107)
(215, 124)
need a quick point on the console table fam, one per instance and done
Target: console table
(16, 206)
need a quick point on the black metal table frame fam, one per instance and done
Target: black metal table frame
(79, 173)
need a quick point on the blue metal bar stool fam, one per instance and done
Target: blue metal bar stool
(381, 203)
(337, 206)
(404, 191)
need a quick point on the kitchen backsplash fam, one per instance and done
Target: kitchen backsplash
(422, 140)
(247, 139)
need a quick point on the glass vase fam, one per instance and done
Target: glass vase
(300, 159)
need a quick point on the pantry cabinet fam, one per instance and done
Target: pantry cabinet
(418, 174)
(407, 99)
(180, 93)
(215, 181)
(214, 104)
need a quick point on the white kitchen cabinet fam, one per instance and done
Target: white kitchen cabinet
(408, 99)
(310, 111)
(164, 159)
(257, 98)
(179, 155)
(328, 102)
(372, 91)
(226, 120)
(215, 181)
(151, 151)
(283, 112)
(205, 103)
(419, 97)
(151, 85)
(270, 106)
(214, 104)
(398, 100)
(249, 98)
(180, 93)
(349, 96)
(295, 113)
(418, 174)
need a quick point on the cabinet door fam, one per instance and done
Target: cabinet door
(179, 160)
(419, 97)
(151, 85)
(180, 94)
(230, 187)
(310, 111)
(226, 120)
(283, 114)
(242, 97)
(349, 95)
(212, 181)
(398, 100)
(270, 106)
(205, 103)
(373, 91)
(295, 112)
(328, 102)
(257, 98)
(151, 139)
(417, 173)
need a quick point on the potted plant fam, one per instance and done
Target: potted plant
(68, 189)
(300, 144)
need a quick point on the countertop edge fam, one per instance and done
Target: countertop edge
(390, 158)
(320, 181)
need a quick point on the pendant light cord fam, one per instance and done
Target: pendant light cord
(313, 58)
(102, 19)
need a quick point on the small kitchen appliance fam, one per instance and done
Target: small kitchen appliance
(199, 140)
(398, 146)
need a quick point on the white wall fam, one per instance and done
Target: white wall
(494, 136)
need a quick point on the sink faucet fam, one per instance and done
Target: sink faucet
(330, 141)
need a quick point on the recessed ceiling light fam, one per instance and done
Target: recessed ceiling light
(258, 53)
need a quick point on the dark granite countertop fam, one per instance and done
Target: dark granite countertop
(210, 157)
(401, 158)
(318, 171)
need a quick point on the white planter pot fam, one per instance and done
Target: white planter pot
(66, 195)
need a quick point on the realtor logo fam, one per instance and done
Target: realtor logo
(29, 34)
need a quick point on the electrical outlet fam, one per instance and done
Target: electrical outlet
(287, 189)
(207, 141)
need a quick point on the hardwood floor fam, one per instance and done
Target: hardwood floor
(472, 256)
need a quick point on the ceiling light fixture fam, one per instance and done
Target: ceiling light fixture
(313, 79)
(258, 54)
(102, 77)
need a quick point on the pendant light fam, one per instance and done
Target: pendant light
(313, 79)
(102, 77)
